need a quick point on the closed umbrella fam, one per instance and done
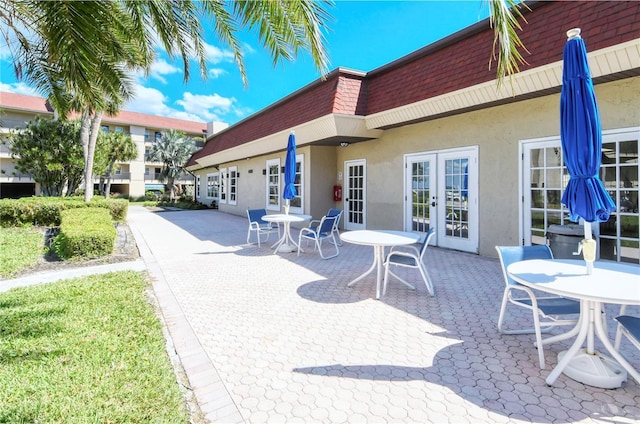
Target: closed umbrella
(585, 196)
(290, 172)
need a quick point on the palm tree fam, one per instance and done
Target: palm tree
(173, 149)
(104, 41)
(112, 147)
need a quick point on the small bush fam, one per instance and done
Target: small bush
(45, 211)
(85, 233)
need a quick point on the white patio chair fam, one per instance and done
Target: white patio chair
(413, 258)
(336, 226)
(325, 230)
(259, 226)
(628, 326)
(555, 310)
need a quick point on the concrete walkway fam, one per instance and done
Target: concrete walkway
(280, 338)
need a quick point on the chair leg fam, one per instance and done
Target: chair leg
(299, 241)
(536, 323)
(319, 245)
(618, 340)
(427, 280)
(503, 310)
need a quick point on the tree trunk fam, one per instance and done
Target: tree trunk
(95, 121)
(107, 188)
(85, 125)
(170, 183)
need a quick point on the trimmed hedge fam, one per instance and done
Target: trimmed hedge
(85, 233)
(46, 211)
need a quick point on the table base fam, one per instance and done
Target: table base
(594, 369)
(285, 248)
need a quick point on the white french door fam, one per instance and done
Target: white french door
(355, 195)
(441, 190)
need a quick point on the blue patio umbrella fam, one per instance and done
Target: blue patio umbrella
(585, 196)
(290, 171)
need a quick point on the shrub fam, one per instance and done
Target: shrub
(45, 211)
(85, 233)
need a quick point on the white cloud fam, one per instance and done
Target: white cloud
(246, 48)
(193, 107)
(19, 88)
(209, 107)
(161, 67)
(216, 55)
(216, 72)
(149, 100)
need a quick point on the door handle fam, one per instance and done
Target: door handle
(433, 203)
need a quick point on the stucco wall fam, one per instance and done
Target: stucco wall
(322, 176)
(319, 176)
(497, 131)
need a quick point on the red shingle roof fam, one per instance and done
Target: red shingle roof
(39, 104)
(23, 102)
(455, 62)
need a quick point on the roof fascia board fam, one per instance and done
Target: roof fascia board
(332, 125)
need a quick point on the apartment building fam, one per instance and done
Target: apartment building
(132, 178)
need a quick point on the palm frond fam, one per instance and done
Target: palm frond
(505, 15)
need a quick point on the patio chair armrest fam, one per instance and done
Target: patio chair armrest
(305, 230)
(400, 253)
(397, 249)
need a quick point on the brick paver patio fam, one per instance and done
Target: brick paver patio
(281, 338)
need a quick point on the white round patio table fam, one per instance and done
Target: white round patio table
(284, 244)
(379, 239)
(610, 282)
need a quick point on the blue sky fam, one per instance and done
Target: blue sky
(363, 36)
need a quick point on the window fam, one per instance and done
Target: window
(297, 204)
(213, 185)
(273, 184)
(223, 185)
(233, 185)
(105, 128)
(545, 177)
(119, 129)
(158, 135)
(197, 185)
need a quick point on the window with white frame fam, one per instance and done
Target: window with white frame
(223, 185)
(273, 184)
(197, 186)
(232, 185)
(297, 203)
(213, 185)
(545, 178)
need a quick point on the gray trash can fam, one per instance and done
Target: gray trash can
(564, 240)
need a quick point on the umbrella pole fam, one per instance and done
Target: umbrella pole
(588, 247)
(286, 207)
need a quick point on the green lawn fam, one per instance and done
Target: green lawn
(88, 350)
(19, 249)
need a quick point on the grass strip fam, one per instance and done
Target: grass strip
(88, 350)
(20, 248)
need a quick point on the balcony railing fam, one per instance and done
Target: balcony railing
(183, 178)
(123, 176)
(16, 176)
